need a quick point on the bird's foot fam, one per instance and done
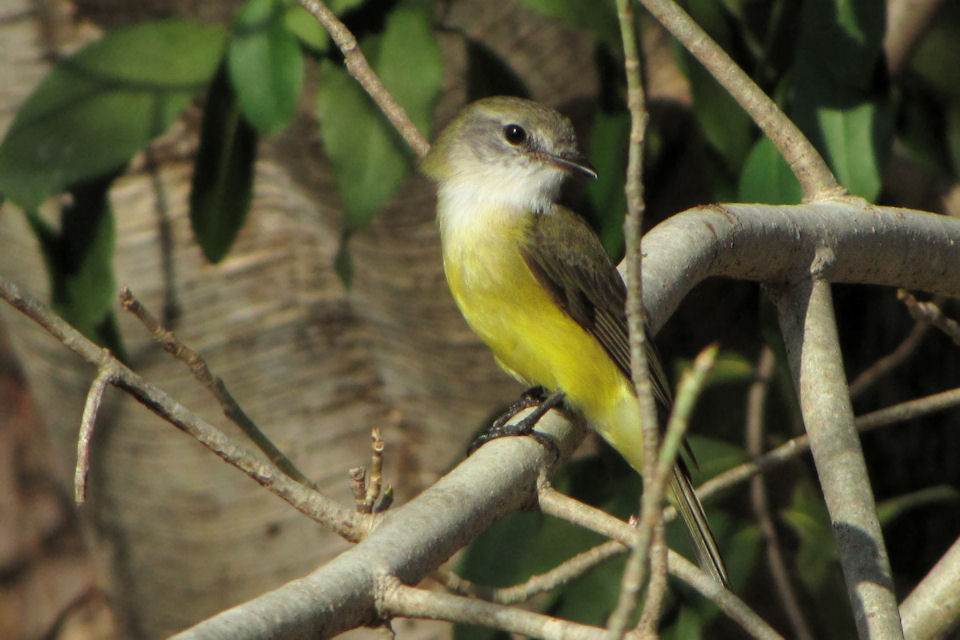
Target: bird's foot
(501, 427)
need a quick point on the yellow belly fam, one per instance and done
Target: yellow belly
(535, 340)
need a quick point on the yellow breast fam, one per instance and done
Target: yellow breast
(531, 337)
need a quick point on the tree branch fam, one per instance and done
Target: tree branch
(634, 573)
(815, 177)
(312, 504)
(810, 333)
(360, 69)
(410, 542)
(763, 243)
(932, 610)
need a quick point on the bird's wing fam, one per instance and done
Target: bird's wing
(567, 259)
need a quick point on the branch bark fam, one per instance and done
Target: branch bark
(813, 350)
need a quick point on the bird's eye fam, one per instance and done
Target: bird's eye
(515, 134)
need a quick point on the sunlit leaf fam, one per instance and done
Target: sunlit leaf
(99, 106)
(266, 66)
(370, 160)
(766, 177)
(842, 103)
(308, 29)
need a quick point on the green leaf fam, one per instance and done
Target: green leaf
(842, 103)
(730, 368)
(266, 67)
(724, 122)
(340, 7)
(222, 185)
(410, 62)
(79, 259)
(808, 517)
(98, 107)
(766, 177)
(369, 159)
(608, 149)
(600, 17)
(308, 29)
(849, 134)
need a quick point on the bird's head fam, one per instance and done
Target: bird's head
(509, 149)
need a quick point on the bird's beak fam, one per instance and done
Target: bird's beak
(573, 162)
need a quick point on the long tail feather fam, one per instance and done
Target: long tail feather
(691, 511)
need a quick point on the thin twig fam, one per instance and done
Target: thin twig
(756, 411)
(649, 622)
(396, 599)
(735, 608)
(90, 410)
(360, 69)
(801, 444)
(889, 362)
(375, 478)
(309, 502)
(213, 383)
(635, 569)
(815, 177)
(931, 313)
(556, 577)
(559, 505)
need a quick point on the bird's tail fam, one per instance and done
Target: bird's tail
(691, 511)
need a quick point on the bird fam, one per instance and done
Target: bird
(533, 281)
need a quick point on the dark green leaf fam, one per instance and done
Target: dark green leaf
(410, 62)
(369, 159)
(842, 101)
(608, 150)
(340, 7)
(223, 176)
(724, 122)
(79, 259)
(808, 517)
(600, 17)
(266, 67)
(101, 105)
(490, 75)
(766, 177)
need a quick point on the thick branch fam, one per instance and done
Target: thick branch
(410, 543)
(813, 350)
(871, 245)
(932, 610)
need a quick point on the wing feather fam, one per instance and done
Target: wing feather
(567, 259)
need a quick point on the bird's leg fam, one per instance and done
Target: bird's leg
(533, 397)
